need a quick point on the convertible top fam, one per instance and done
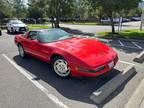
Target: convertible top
(40, 30)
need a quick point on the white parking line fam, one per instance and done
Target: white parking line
(37, 84)
(137, 45)
(103, 40)
(126, 62)
(120, 43)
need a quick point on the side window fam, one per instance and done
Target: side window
(25, 34)
(32, 35)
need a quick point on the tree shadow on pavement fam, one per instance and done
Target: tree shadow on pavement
(125, 49)
(78, 89)
(76, 31)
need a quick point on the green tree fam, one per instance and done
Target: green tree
(60, 9)
(36, 8)
(5, 10)
(84, 10)
(113, 7)
(135, 12)
(19, 8)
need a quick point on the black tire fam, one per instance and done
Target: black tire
(104, 76)
(8, 31)
(22, 54)
(0, 32)
(12, 31)
(67, 75)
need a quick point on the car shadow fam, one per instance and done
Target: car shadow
(76, 31)
(78, 89)
(13, 34)
(122, 48)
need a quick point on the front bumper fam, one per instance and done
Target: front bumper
(97, 71)
(19, 29)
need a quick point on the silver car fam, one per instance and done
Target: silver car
(16, 26)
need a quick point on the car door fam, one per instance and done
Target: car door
(43, 51)
(36, 48)
(29, 43)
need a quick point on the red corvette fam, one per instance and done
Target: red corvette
(67, 54)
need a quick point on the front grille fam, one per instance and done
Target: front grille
(98, 69)
(22, 29)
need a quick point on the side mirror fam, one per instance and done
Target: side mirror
(39, 40)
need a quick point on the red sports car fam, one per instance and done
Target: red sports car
(68, 55)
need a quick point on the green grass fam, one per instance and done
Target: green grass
(37, 26)
(127, 34)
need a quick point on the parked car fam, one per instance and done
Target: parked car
(107, 20)
(30, 21)
(125, 20)
(15, 26)
(136, 19)
(68, 55)
(115, 20)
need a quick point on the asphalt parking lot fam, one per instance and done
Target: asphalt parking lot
(30, 83)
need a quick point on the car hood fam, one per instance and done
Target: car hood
(19, 25)
(89, 51)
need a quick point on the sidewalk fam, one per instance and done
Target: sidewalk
(137, 99)
(142, 104)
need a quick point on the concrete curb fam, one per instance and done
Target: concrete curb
(103, 92)
(137, 97)
(139, 58)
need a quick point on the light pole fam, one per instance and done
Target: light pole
(142, 16)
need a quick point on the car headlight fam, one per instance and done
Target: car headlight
(15, 27)
(80, 69)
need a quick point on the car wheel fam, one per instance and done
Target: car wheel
(8, 31)
(12, 31)
(21, 51)
(60, 67)
(0, 32)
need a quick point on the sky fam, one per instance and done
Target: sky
(141, 5)
(25, 1)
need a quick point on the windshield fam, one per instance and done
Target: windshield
(16, 22)
(47, 36)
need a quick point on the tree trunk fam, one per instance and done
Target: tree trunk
(57, 23)
(100, 16)
(112, 25)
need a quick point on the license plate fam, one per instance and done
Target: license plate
(111, 64)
